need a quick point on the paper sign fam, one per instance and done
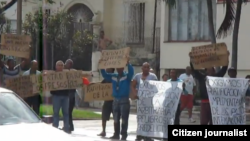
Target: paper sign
(156, 107)
(227, 97)
(62, 80)
(15, 45)
(114, 58)
(207, 56)
(36, 83)
(21, 85)
(98, 91)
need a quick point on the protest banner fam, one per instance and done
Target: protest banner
(20, 85)
(156, 107)
(62, 80)
(15, 45)
(98, 91)
(207, 56)
(114, 58)
(227, 100)
(36, 83)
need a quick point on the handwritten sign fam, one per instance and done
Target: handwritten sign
(36, 83)
(62, 80)
(21, 85)
(227, 96)
(98, 91)
(114, 58)
(156, 107)
(207, 56)
(15, 45)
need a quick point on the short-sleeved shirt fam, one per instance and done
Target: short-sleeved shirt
(189, 82)
(138, 76)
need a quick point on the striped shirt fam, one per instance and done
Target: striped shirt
(7, 74)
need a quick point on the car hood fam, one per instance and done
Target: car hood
(33, 132)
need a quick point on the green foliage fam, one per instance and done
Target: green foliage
(57, 30)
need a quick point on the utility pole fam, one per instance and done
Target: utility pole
(19, 22)
(19, 17)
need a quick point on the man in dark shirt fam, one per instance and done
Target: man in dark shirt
(106, 108)
(69, 65)
(60, 99)
(34, 101)
(206, 116)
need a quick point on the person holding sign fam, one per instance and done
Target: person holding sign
(190, 86)
(68, 66)
(60, 99)
(144, 75)
(34, 101)
(174, 77)
(232, 72)
(106, 108)
(121, 105)
(206, 116)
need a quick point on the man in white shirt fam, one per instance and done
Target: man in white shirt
(187, 96)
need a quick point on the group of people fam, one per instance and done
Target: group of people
(120, 106)
(64, 99)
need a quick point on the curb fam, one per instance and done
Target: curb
(49, 119)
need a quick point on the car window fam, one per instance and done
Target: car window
(14, 111)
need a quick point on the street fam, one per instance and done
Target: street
(88, 129)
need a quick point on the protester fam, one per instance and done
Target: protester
(121, 105)
(60, 99)
(68, 66)
(248, 90)
(106, 108)
(36, 100)
(206, 116)
(144, 75)
(174, 78)
(164, 77)
(232, 72)
(104, 41)
(190, 87)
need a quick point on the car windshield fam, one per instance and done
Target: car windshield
(14, 111)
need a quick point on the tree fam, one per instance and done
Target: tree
(59, 40)
(7, 6)
(231, 21)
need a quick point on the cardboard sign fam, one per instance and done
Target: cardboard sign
(227, 100)
(36, 83)
(21, 85)
(98, 91)
(15, 45)
(156, 107)
(62, 80)
(207, 56)
(114, 58)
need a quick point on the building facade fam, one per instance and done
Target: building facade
(187, 25)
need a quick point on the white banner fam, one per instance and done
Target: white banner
(227, 100)
(156, 107)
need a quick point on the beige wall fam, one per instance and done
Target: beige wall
(175, 55)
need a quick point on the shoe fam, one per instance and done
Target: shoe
(69, 132)
(102, 134)
(124, 138)
(192, 120)
(115, 137)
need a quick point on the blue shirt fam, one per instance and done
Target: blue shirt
(120, 84)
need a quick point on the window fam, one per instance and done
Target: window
(136, 23)
(188, 21)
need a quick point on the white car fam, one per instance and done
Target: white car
(19, 123)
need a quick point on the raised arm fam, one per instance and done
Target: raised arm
(197, 74)
(106, 75)
(222, 71)
(130, 72)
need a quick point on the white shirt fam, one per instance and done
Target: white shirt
(189, 82)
